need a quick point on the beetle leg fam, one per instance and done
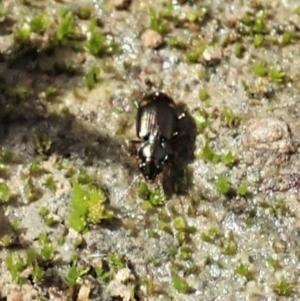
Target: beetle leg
(132, 146)
(136, 141)
(179, 118)
(125, 193)
(168, 149)
(182, 115)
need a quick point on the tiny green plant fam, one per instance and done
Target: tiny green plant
(152, 197)
(79, 209)
(97, 210)
(92, 77)
(46, 216)
(179, 223)
(6, 156)
(180, 284)
(96, 43)
(273, 262)
(194, 55)
(287, 37)
(22, 92)
(44, 212)
(15, 265)
(32, 191)
(258, 40)
(231, 120)
(244, 271)
(229, 245)
(230, 158)
(201, 119)
(185, 253)
(297, 10)
(87, 206)
(100, 44)
(144, 191)
(3, 12)
(6, 240)
(84, 12)
(276, 75)
(176, 43)
(67, 27)
(239, 50)
(15, 225)
(283, 288)
(74, 273)
(223, 185)
(37, 273)
(203, 95)
(243, 189)
(211, 235)
(103, 271)
(36, 170)
(42, 143)
(208, 154)
(183, 229)
(50, 183)
(260, 69)
(51, 91)
(116, 261)
(47, 251)
(5, 193)
(157, 22)
(39, 23)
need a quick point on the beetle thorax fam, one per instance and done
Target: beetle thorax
(148, 148)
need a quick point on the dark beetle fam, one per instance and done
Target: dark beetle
(155, 126)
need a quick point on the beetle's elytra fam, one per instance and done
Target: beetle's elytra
(155, 126)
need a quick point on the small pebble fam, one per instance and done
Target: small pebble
(84, 291)
(121, 4)
(152, 39)
(270, 134)
(212, 53)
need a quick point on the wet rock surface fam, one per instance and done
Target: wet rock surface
(71, 73)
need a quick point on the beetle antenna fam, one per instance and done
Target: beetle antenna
(161, 190)
(128, 188)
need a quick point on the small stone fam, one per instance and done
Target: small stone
(121, 4)
(268, 133)
(152, 39)
(122, 286)
(84, 291)
(26, 292)
(212, 53)
(58, 295)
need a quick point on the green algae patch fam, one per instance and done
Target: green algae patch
(87, 206)
(5, 193)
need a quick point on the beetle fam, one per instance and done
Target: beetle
(156, 124)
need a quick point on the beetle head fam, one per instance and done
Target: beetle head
(150, 170)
